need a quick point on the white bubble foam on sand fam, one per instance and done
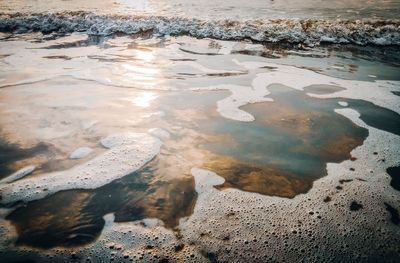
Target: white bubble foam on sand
(236, 226)
(18, 174)
(378, 92)
(306, 226)
(80, 153)
(127, 153)
(240, 96)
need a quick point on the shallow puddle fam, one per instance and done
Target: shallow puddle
(75, 217)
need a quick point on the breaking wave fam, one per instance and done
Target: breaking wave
(307, 31)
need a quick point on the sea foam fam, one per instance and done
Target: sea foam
(113, 164)
(307, 31)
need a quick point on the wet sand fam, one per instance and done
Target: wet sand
(244, 157)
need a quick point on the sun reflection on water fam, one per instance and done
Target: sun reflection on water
(144, 99)
(145, 55)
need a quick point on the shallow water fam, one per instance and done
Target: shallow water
(269, 119)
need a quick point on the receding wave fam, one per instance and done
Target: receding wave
(307, 31)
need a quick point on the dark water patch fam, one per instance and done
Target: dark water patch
(397, 93)
(199, 53)
(394, 173)
(31, 37)
(210, 75)
(75, 217)
(322, 89)
(394, 214)
(264, 53)
(182, 59)
(211, 256)
(355, 206)
(225, 74)
(168, 201)
(115, 58)
(4, 55)
(327, 199)
(345, 181)
(388, 55)
(376, 116)
(18, 257)
(56, 220)
(179, 247)
(11, 153)
(89, 41)
(63, 57)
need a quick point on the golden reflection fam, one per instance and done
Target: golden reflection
(142, 71)
(143, 68)
(145, 55)
(264, 180)
(134, 70)
(144, 99)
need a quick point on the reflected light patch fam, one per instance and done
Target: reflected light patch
(140, 70)
(145, 55)
(144, 99)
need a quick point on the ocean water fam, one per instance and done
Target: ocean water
(213, 131)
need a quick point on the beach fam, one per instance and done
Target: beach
(153, 131)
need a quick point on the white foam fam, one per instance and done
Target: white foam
(205, 179)
(343, 103)
(80, 153)
(309, 31)
(378, 92)
(257, 226)
(240, 96)
(127, 153)
(18, 174)
(152, 222)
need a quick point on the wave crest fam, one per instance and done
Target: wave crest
(307, 31)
